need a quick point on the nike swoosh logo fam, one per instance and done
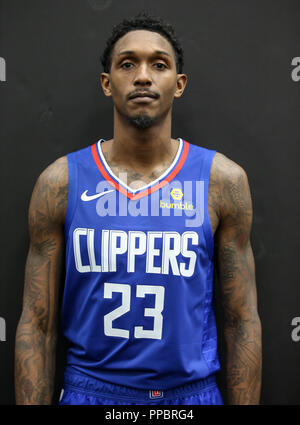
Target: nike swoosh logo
(85, 197)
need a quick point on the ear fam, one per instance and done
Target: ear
(105, 83)
(181, 84)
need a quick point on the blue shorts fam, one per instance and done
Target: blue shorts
(83, 390)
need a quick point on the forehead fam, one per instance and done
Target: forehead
(143, 41)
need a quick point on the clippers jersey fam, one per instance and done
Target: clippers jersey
(138, 299)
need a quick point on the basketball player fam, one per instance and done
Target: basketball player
(140, 220)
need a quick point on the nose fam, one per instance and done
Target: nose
(143, 76)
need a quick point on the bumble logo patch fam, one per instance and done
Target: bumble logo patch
(176, 194)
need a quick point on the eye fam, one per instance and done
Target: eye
(126, 65)
(160, 65)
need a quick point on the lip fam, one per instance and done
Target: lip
(142, 99)
(143, 94)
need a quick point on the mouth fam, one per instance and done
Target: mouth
(145, 97)
(142, 99)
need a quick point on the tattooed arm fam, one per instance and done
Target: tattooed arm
(37, 328)
(236, 270)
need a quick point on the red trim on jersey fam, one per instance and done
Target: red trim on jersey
(151, 189)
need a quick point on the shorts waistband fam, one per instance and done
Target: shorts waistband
(88, 385)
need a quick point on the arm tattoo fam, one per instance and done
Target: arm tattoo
(36, 332)
(232, 201)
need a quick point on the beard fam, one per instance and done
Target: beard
(142, 122)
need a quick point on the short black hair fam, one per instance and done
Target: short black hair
(143, 21)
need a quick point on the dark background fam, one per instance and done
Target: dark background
(241, 100)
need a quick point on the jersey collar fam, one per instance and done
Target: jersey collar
(135, 194)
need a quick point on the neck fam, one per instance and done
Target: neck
(143, 147)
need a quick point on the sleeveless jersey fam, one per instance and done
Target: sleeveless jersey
(138, 299)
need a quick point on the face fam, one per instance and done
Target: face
(143, 79)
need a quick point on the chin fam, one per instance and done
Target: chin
(142, 121)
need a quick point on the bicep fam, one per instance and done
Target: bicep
(235, 261)
(44, 264)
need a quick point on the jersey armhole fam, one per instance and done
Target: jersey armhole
(72, 192)
(207, 230)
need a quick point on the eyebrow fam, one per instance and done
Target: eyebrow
(131, 52)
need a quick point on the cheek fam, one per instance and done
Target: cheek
(117, 88)
(168, 86)
(169, 92)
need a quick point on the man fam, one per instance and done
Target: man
(136, 217)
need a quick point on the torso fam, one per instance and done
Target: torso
(158, 259)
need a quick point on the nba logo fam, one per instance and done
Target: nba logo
(156, 394)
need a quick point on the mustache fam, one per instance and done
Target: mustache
(137, 93)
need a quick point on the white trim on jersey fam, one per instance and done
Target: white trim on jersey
(129, 189)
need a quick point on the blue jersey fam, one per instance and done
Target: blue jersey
(138, 298)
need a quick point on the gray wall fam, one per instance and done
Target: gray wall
(242, 99)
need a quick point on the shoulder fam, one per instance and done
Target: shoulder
(50, 193)
(229, 184)
(225, 169)
(56, 173)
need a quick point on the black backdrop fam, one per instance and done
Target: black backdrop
(242, 99)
